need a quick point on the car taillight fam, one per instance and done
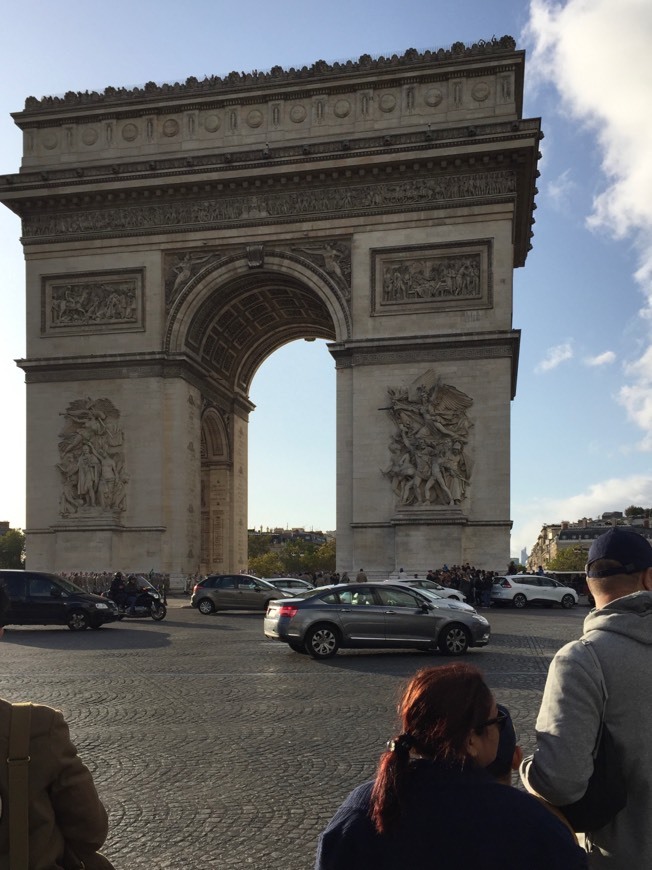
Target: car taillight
(196, 587)
(288, 610)
(506, 584)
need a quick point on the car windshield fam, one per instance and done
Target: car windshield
(65, 584)
(432, 595)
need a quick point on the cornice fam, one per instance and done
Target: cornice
(184, 169)
(138, 365)
(428, 348)
(318, 72)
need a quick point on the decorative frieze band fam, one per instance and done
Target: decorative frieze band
(269, 208)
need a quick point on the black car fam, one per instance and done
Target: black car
(38, 598)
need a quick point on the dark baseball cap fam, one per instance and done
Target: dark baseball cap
(630, 549)
(502, 764)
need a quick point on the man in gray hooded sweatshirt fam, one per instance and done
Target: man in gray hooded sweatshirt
(619, 631)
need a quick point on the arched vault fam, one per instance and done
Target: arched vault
(232, 317)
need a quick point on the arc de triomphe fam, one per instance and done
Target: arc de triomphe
(177, 235)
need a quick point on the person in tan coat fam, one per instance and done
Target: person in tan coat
(66, 815)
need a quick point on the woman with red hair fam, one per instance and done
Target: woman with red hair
(433, 805)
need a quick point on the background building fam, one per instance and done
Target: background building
(579, 535)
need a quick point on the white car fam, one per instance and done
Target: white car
(449, 603)
(432, 586)
(289, 584)
(519, 590)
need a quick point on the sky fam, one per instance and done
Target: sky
(582, 416)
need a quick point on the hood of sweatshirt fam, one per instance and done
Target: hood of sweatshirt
(630, 615)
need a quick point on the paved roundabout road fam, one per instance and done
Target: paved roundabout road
(214, 748)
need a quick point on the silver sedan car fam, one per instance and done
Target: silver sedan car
(372, 615)
(233, 592)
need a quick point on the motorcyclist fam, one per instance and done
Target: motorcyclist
(132, 592)
(117, 591)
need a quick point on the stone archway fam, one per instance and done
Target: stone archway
(229, 319)
(175, 236)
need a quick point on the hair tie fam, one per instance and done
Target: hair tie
(403, 743)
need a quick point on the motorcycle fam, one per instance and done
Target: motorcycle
(148, 604)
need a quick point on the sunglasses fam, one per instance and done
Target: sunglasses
(498, 720)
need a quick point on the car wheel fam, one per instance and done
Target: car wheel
(519, 601)
(567, 602)
(454, 640)
(77, 621)
(206, 606)
(297, 647)
(322, 641)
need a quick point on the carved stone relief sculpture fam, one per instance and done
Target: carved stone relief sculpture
(293, 205)
(92, 302)
(91, 459)
(334, 257)
(429, 455)
(436, 278)
(416, 278)
(181, 267)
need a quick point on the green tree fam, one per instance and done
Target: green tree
(259, 545)
(570, 559)
(296, 555)
(266, 565)
(636, 511)
(12, 549)
(324, 557)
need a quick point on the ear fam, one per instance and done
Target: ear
(517, 757)
(471, 745)
(646, 579)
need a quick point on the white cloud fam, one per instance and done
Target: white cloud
(561, 190)
(615, 494)
(555, 356)
(597, 54)
(602, 359)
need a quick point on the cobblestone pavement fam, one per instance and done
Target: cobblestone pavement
(213, 747)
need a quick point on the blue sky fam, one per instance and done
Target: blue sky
(582, 417)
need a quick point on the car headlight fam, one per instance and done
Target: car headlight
(480, 619)
(102, 606)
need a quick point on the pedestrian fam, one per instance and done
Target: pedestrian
(66, 822)
(361, 577)
(614, 655)
(431, 785)
(345, 577)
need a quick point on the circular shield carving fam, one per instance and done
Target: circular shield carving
(89, 136)
(129, 132)
(212, 123)
(342, 108)
(170, 127)
(298, 113)
(255, 118)
(50, 141)
(433, 97)
(480, 92)
(387, 103)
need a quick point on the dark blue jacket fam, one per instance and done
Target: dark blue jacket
(451, 818)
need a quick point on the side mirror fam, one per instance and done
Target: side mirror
(426, 608)
(55, 592)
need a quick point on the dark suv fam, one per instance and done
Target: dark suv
(37, 598)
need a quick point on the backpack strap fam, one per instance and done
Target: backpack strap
(18, 780)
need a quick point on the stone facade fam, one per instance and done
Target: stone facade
(176, 235)
(579, 536)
